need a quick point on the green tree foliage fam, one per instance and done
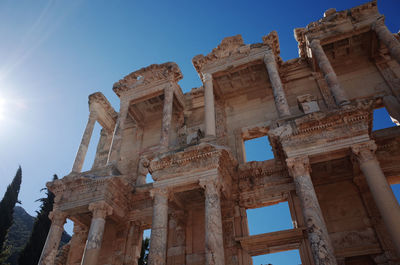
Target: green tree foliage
(31, 253)
(7, 209)
(144, 253)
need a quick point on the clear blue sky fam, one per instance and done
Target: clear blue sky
(53, 54)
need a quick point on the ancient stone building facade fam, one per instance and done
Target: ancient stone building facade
(316, 110)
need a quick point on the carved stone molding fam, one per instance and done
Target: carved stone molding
(149, 75)
(364, 151)
(100, 209)
(298, 166)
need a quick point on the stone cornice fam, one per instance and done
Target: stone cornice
(233, 47)
(148, 75)
(336, 23)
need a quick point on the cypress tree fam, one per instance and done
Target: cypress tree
(7, 207)
(144, 253)
(32, 250)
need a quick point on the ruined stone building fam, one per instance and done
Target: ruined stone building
(331, 168)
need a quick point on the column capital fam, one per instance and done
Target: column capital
(298, 166)
(379, 22)
(364, 151)
(314, 43)
(100, 209)
(210, 185)
(206, 77)
(58, 218)
(163, 192)
(269, 57)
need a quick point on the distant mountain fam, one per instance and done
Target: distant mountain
(20, 231)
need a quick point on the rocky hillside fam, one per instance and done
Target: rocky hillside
(20, 231)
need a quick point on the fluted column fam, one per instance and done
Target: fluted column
(116, 144)
(213, 223)
(380, 189)
(83, 147)
(77, 244)
(100, 211)
(209, 107)
(388, 39)
(330, 76)
(321, 246)
(159, 227)
(279, 94)
(167, 116)
(50, 248)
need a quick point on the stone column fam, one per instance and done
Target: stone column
(330, 76)
(380, 189)
(388, 39)
(159, 228)
(167, 116)
(83, 147)
(50, 248)
(321, 246)
(116, 144)
(213, 223)
(209, 108)
(392, 105)
(279, 94)
(133, 244)
(100, 211)
(77, 244)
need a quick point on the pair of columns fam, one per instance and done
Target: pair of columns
(115, 149)
(321, 246)
(100, 211)
(213, 225)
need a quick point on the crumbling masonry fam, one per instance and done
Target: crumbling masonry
(331, 168)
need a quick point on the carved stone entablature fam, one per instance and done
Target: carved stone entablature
(152, 74)
(202, 157)
(230, 50)
(263, 183)
(336, 24)
(319, 132)
(106, 115)
(75, 194)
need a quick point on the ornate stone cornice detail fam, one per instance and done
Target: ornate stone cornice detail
(364, 152)
(298, 166)
(152, 74)
(100, 99)
(100, 209)
(336, 23)
(260, 169)
(228, 47)
(202, 152)
(58, 218)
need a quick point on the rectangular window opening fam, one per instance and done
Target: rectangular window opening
(269, 219)
(258, 149)
(290, 257)
(382, 119)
